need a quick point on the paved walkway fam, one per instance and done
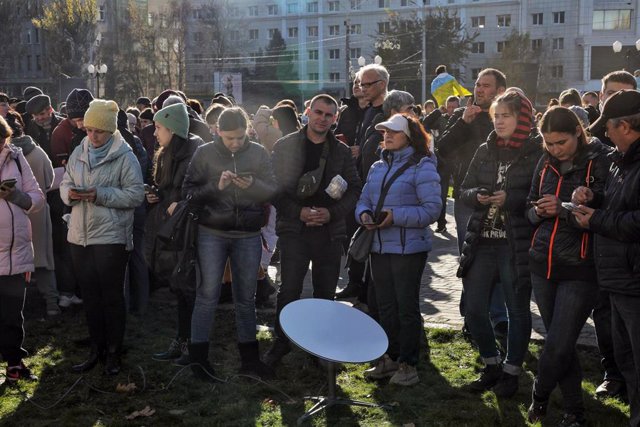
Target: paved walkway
(440, 290)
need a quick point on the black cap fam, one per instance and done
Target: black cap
(144, 101)
(621, 104)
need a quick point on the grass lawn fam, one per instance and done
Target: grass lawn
(440, 399)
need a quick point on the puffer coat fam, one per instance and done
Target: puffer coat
(414, 199)
(16, 250)
(118, 181)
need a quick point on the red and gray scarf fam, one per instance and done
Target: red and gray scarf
(523, 128)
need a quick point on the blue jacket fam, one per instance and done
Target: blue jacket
(414, 199)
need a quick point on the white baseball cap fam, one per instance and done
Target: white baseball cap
(397, 122)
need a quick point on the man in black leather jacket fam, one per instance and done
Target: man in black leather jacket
(311, 229)
(616, 227)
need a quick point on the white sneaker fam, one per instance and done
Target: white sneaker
(64, 301)
(405, 375)
(384, 368)
(76, 300)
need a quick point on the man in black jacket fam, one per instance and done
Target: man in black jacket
(616, 227)
(311, 218)
(43, 124)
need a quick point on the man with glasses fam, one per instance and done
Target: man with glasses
(374, 80)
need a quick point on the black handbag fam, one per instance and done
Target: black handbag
(360, 245)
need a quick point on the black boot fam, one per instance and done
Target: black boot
(112, 365)
(489, 377)
(94, 357)
(251, 363)
(184, 358)
(199, 353)
(172, 353)
(351, 291)
(264, 290)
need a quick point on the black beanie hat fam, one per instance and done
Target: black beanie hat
(78, 103)
(147, 114)
(30, 92)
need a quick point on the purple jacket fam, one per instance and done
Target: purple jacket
(16, 250)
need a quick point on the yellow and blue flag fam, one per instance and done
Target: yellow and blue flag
(445, 85)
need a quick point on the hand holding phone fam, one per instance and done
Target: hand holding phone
(569, 206)
(484, 191)
(8, 184)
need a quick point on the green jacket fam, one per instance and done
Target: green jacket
(118, 181)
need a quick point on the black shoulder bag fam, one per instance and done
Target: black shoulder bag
(360, 245)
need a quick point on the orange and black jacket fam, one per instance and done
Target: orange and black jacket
(560, 249)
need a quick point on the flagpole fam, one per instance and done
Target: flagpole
(424, 54)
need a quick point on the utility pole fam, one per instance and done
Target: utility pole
(424, 54)
(347, 56)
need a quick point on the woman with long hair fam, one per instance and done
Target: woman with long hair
(402, 241)
(498, 237)
(177, 146)
(573, 168)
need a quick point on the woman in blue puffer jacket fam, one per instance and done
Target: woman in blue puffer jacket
(402, 241)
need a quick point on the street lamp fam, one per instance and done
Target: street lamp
(97, 71)
(617, 48)
(376, 60)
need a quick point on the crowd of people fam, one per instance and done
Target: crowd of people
(545, 202)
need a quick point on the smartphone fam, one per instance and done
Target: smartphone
(244, 174)
(484, 191)
(369, 221)
(569, 206)
(381, 217)
(534, 203)
(80, 189)
(8, 184)
(63, 157)
(150, 189)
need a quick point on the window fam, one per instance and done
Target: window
(475, 72)
(451, 1)
(197, 78)
(272, 32)
(163, 44)
(234, 11)
(383, 3)
(334, 53)
(477, 21)
(502, 45)
(196, 14)
(313, 55)
(334, 77)
(611, 19)
(477, 47)
(536, 44)
(558, 17)
(197, 37)
(334, 6)
(150, 19)
(312, 31)
(384, 27)
(557, 71)
(537, 18)
(355, 52)
(272, 9)
(293, 32)
(197, 58)
(163, 21)
(314, 76)
(404, 3)
(253, 10)
(36, 33)
(356, 4)
(334, 30)
(102, 12)
(253, 34)
(234, 35)
(292, 8)
(27, 38)
(504, 20)
(558, 43)
(38, 64)
(355, 29)
(312, 7)
(28, 62)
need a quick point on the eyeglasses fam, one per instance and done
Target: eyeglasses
(368, 85)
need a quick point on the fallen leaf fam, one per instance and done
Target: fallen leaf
(126, 388)
(146, 412)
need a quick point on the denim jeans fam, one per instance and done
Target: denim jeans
(602, 324)
(497, 309)
(564, 307)
(396, 280)
(313, 245)
(491, 261)
(213, 251)
(625, 322)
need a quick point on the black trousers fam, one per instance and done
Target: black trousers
(12, 293)
(602, 324)
(444, 170)
(100, 271)
(625, 323)
(65, 276)
(185, 310)
(296, 252)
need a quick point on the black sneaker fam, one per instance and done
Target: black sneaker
(506, 386)
(488, 378)
(351, 291)
(612, 388)
(572, 420)
(173, 352)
